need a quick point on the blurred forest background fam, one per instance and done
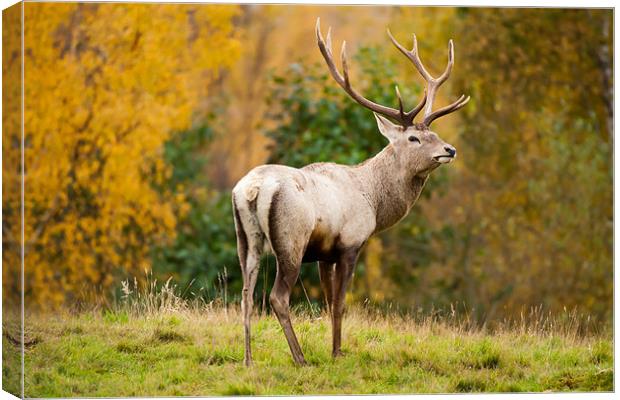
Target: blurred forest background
(140, 119)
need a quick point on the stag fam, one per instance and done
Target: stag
(325, 212)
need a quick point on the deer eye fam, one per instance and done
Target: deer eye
(414, 139)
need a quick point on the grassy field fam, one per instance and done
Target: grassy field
(166, 350)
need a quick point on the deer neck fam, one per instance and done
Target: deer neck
(391, 188)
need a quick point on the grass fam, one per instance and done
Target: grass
(171, 348)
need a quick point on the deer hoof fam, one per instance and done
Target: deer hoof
(337, 353)
(300, 362)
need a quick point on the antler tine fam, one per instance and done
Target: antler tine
(412, 114)
(432, 83)
(407, 53)
(448, 69)
(412, 55)
(329, 39)
(447, 109)
(345, 67)
(344, 82)
(326, 52)
(409, 116)
(400, 103)
(405, 118)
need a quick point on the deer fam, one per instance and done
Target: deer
(326, 212)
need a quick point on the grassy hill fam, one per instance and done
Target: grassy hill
(166, 350)
(154, 343)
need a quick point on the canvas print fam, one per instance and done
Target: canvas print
(223, 199)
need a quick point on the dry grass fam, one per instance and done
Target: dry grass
(154, 343)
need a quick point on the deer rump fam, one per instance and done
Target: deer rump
(301, 213)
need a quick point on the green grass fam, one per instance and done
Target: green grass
(199, 351)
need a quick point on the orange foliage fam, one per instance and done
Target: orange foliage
(107, 84)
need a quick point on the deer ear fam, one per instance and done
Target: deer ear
(387, 128)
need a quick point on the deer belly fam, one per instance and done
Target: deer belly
(321, 247)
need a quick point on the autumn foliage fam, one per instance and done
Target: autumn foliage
(140, 118)
(107, 85)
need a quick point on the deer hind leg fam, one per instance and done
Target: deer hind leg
(342, 277)
(290, 226)
(286, 276)
(326, 275)
(250, 274)
(249, 248)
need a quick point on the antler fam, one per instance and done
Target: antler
(432, 83)
(404, 118)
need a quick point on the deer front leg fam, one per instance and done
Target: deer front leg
(326, 275)
(342, 277)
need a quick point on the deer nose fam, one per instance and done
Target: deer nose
(451, 150)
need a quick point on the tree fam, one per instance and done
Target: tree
(525, 218)
(205, 241)
(532, 221)
(11, 159)
(107, 84)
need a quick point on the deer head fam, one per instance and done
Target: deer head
(417, 147)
